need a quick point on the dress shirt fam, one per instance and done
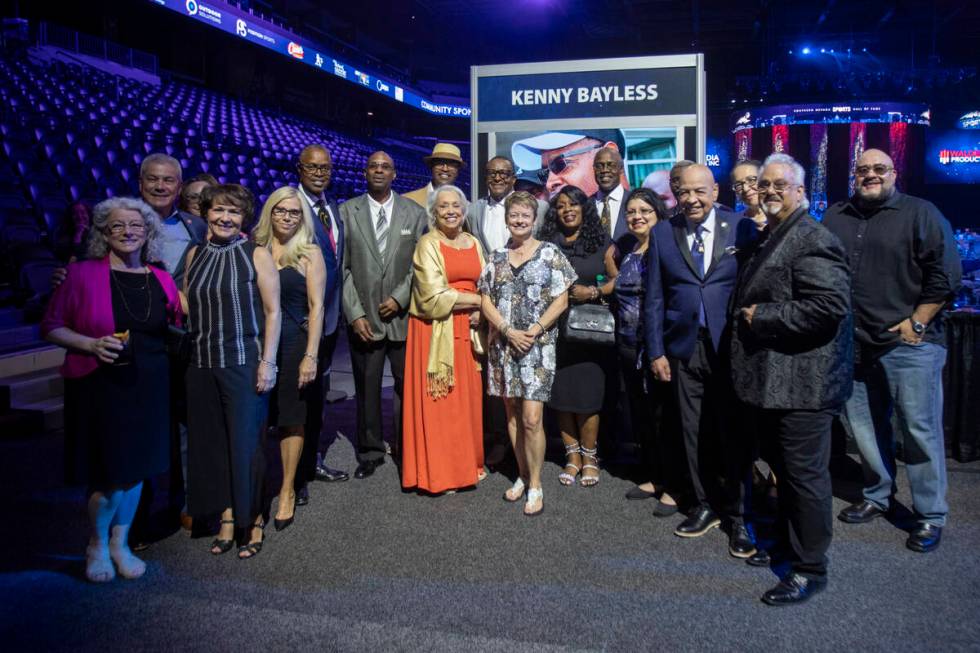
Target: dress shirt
(176, 238)
(495, 224)
(615, 201)
(707, 235)
(374, 207)
(902, 253)
(313, 201)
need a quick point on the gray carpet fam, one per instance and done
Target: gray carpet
(369, 568)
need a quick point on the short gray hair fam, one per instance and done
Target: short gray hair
(432, 202)
(161, 158)
(799, 175)
(98, 245)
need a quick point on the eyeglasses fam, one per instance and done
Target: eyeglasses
(119, 228)
(880, 169)
(558, 164)
(281, 212)
(500, 174)
(748, 182)
(645, 212)
(313, 168)
(778, 187)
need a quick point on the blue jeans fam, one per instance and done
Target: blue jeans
(906, 380)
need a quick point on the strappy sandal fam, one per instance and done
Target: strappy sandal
(534, 496)
(564, 477)
(482, 474)
(219, 546)
(515, 492)
(252, 548)
(590, 481)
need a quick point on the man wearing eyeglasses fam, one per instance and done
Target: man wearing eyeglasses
(905, 270)
(691, 272)
(486, 216)
(444, 163)
(565, 159)
(791, 359)
(314, 169)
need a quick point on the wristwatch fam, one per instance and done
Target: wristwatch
(918, 327)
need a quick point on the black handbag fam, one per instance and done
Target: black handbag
(590, 324)
(178, 345)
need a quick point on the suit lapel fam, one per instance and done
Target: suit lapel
(722, 230)
(362, 220)
(679, 225)
(394, 229)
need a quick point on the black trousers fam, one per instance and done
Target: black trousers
(367, 364)
(796, 443)
(226, 420)
(306, 468)
(718, 457)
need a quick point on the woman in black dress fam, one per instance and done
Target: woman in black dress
(286, 229)
(111, 313)
(233, 318)
(578, 391)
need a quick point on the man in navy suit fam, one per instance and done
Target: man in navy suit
(314, 169)
(690, 276)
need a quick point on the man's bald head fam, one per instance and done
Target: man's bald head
(696, 191)
(874, 177)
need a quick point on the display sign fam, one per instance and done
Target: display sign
(845, 112)
(552, 118)
(234, 20)
(953, 148)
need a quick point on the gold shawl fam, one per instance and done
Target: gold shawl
(433, 300)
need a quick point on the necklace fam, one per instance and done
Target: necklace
(122, 295)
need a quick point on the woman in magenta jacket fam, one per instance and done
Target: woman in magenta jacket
(111, 314)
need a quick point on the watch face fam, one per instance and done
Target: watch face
(918, 327)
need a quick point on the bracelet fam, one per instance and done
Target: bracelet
(310, 356)
(596, 293)
(275, 368)
(540, 326)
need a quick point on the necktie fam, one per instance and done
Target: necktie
(697, 254)
(324, 216)
(381, 230)
(605, 218)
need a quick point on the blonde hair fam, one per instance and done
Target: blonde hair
(302, 243)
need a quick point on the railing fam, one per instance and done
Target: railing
(93, 46)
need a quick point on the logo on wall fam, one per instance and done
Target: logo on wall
(970, 120)
(241, 28)
(946, 157)
(399, 94)
(338, 69)
(318, 62)
(384, 88)
(295, 50)
(363, 77)
(191, 6)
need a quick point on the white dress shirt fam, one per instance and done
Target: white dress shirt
(326, 205)
(375, 206)
(615, 201)
(495, 229)
(707, 235)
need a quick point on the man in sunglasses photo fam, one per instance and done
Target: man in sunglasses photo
(566, 159)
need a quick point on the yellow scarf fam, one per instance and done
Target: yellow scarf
(433, 300)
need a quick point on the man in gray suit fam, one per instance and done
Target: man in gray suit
(382, 229)
(486, 215)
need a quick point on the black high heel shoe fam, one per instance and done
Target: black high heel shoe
(252, 548)
(283, 524)
(219, 546)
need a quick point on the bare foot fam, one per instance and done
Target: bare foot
(98, 565)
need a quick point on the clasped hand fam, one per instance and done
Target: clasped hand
(106, 348)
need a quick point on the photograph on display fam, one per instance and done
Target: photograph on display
(547, 161)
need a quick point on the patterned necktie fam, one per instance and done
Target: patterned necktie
(605, 218)
(381, 230)
(324, 216)
(697, 253)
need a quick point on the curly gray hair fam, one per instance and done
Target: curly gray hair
(432, 202)
(98, 244)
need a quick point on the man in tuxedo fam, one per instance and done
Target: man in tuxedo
(610, 198)
(382, 231)
(445, 163)
(792, 359)
(905, 270)
(314, 169)
(690, 276)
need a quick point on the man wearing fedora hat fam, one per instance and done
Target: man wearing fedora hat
(444, 162)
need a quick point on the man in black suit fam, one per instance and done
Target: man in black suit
(792, 359)
(314, 169)
(690, 277)
(610, 199)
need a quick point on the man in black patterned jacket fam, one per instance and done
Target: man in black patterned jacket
(792, 363)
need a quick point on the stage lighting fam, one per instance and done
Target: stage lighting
(805, 50)
(822, 50)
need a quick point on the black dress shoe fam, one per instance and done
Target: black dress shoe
(636, 494)
(327, 475)
(740, 543)
(760, 558)
(924, 538)
(702, 520)
(795, 588)
(302, 496)
(367, 468)
(860, 513)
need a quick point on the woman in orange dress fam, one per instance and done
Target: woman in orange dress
(442, 423)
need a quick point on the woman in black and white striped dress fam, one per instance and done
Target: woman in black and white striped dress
(232, 292)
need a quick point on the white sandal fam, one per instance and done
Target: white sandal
(590, 481)
(515, 492)
(564, 477)
(534, 496)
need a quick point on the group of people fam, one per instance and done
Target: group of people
(733, 337)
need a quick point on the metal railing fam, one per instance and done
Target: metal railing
(93, 46)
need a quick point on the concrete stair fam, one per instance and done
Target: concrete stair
(31, 392)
